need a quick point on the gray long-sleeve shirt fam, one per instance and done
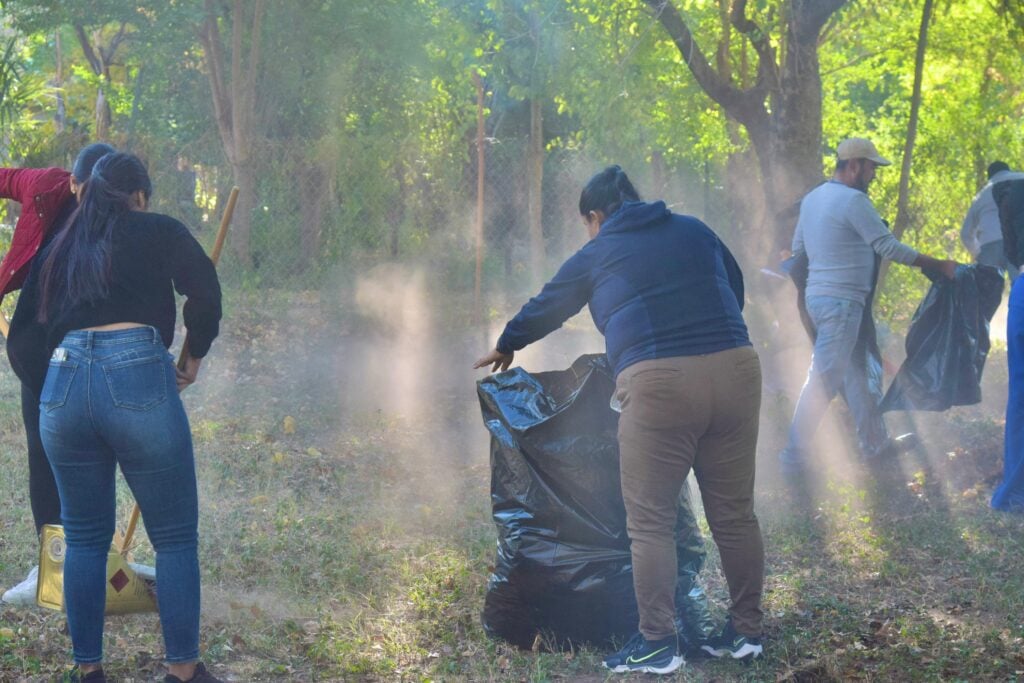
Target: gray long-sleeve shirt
(981, 224)
(841, 232)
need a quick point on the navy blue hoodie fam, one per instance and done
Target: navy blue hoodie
(659, 285)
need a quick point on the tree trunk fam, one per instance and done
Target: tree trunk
(903, 199)
(313, 192)
(781, 110)
(478, 223)
(396, 214)
(103, 116)
(241, 232)
(234, 104)
(659, 175)
(60, 114)
(535, 188)
(99, 58)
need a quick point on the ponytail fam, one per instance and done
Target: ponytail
(77, 267)
(607, 192)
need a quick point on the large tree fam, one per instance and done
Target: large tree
(780, 110)
(233, 85)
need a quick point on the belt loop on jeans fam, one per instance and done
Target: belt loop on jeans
(90, 336)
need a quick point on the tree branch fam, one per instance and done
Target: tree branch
(767, 67)
(209, 36)
(90, 54)
(252, 70)
(237, 29)
(809, 16)
(115, 43)
(737, 103)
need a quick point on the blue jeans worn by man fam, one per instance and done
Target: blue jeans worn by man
(110, 399)
(839, 365)
(1009, 494)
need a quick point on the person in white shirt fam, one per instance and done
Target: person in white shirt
(980, 231)
(841, 234)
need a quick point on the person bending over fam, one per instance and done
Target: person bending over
(667, 295)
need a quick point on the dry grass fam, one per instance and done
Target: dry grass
(352, 541)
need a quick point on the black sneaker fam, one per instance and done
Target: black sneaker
(737, 646)
(895, 446)
(200, 676)
(76, 676)
(653, 657)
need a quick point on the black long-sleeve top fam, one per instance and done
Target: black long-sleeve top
(152, 256)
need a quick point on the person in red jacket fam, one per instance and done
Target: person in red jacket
(47, 198)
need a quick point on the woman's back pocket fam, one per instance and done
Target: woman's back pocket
(137, 384)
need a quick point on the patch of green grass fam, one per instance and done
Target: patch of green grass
(357, 546)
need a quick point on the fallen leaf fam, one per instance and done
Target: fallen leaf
(288, 424)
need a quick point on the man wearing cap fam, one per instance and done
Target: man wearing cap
(844, 238)
(981, 233)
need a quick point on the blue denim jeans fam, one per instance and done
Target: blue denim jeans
(110, 399)
(1009, 495)
(839, 365)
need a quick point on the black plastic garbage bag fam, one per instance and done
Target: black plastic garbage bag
(563, 566)
(947, 342)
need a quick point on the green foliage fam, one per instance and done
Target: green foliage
(375, 101)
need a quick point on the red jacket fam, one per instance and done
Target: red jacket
(42, 193)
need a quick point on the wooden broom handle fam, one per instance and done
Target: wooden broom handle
(218, 246)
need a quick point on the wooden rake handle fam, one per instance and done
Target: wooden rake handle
(218, 247)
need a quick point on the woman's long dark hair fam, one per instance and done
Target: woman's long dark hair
(607, 192)
(77, 267)
(87, 158)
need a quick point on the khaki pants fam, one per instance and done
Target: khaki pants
(698, 412)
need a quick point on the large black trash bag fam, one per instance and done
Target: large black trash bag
(948, 342)
(563, 567)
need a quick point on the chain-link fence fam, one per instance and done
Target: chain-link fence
(317, 209)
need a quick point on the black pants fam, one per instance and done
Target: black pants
(42, 488)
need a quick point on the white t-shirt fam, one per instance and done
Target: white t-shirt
(981, 224)
(841, 232)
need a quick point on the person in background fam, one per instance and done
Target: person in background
(667, 295)
(47, 198)
(1009, 494)
(981, 233)
(843, 238)
(103, 290)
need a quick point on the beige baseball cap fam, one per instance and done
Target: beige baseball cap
(860, 148)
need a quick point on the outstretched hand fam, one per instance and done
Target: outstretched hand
(500, 361)
(948, 269)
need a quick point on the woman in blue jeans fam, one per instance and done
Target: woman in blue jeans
(104, 291)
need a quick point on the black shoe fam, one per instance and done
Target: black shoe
(653, 657)
(730, 643)
(906, 442)
(76, 676)
(200, 676)
(896, 445)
